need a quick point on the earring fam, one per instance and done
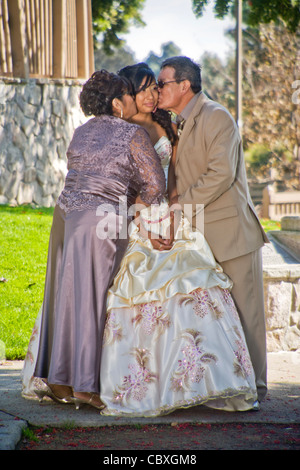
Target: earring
(121, 113)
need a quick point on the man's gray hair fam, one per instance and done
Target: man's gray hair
(185, 69)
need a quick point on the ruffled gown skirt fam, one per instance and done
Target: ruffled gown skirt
(173, 338)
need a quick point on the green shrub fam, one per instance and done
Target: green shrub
(258, 160)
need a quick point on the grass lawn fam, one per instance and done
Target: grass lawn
(24, 237)
(270, 225)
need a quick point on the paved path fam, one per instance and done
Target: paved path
(282, 405)
(274, 254)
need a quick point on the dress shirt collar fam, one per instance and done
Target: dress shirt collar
(188, 108)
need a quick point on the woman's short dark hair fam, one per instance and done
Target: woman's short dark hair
(99, 91)
(185, 69)
(136, 74)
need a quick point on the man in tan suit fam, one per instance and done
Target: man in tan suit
(210, 170)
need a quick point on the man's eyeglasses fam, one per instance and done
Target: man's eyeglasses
(161, 84)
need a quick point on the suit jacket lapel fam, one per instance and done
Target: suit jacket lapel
(190, 124)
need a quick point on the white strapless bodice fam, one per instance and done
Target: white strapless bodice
(163, 148)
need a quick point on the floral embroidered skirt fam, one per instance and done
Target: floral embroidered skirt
(173, 338)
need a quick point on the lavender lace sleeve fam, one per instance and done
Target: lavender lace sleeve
(150, 175)
(109, 148)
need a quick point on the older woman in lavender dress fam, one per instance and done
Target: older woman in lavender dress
(110, 163)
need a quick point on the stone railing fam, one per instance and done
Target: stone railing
(282, 287)
(37, 121)
(282, 301)
(256, 189)
(276, 205)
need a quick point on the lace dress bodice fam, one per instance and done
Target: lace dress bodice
(112, 150)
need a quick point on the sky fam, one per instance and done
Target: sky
(174, 20)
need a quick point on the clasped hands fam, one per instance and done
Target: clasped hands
(165, 243)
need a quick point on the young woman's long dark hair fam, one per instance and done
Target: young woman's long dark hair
(136, 74)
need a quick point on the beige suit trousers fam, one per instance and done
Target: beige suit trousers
(247, 276)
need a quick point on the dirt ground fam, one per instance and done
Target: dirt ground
(175, 437)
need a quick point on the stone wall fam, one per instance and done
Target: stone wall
(282, 290)
(282, 305)
(282, 286)
(37, 121)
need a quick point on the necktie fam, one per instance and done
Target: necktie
(180, 127)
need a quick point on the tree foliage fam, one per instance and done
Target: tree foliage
(168, 49)
(117, 59)
(271, 60)
(114, 17)
(270, 114)
(218, 79)
(257, 11)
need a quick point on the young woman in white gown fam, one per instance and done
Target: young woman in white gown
(173, 338)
